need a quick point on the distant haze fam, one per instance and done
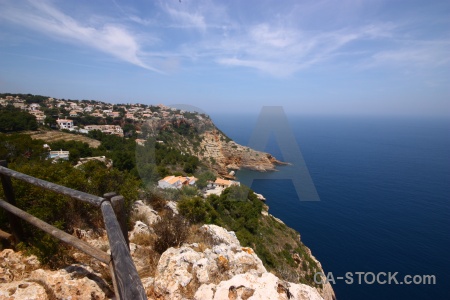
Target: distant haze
(313, 57)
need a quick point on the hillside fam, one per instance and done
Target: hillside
(159, 141)
(50, 136)
(197, 135)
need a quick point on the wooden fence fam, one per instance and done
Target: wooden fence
(126, 281)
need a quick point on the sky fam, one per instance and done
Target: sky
(346, 57)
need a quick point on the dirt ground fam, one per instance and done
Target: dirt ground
(53, 136)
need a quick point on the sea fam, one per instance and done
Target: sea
(384, 199)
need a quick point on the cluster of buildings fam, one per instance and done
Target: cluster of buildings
(176, 182)
(17, 102)
(214, 187)
(108, 129)
(73, 108)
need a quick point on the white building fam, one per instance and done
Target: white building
(59, 155)
(108, 129)
(65, 123)
(223, 183)
(176, 182)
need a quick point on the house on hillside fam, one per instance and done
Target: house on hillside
(108, 129)
(176, 182)
(55, 155)
(40, 117)
(223, 183)
(64, 123)
(34, 107)
(74, 113)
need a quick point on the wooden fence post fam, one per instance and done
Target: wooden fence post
(127, 278)
(16, 225)
(118, 203)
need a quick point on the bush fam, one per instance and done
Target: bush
(172, 230)
(61, 211)
(197, 210)
(14, 119)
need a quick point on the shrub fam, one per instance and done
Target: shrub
(172, 230)
(197, 210)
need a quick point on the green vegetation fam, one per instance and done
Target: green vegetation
(238, 209)
(137, 169)
(64, 212)
(203, 179)
(19, 148)
(29, 98)
(155, 160)
(14, 119)
(171, 231)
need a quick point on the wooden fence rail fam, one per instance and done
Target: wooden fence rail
(127, 283)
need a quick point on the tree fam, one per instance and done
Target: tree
(203, 179)
(14, 119)
(19, 148)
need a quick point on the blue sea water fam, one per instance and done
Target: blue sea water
(384, 188)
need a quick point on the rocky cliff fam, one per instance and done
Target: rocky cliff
(213, 265)
(200, 137)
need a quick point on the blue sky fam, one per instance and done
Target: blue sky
(313, 57)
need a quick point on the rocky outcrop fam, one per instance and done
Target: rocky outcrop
(15, 266)
(225, 270)
(22, 278)
(209, 144)
(250, 286)
(148, 214)
(23, 290)
(73, 282)
(228, 155)
(214, 267)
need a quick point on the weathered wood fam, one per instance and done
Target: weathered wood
(94, 200)
(57, 233)
(109, 195)
(7, 239)
(6, 236)
(16, 226)
(128, 281)
(114, 280)
(118, 203)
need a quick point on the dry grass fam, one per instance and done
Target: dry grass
(171, 231)
(143, 239)
(203, 239)
(189, 290)
(53, 136)
(138, 217)
(150, 258)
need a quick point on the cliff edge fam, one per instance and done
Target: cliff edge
(217, 267)
(197, 135)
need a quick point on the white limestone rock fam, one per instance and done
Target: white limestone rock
(172, 205)
(140, 208)
(221, 235)
(23, 290)
(187, 268)
(139, 228)
(14, 265)
(74, 282)
(267, 286)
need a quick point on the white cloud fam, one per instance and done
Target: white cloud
(280, 45)
(414, 54)
(113, 39)
(187, 19)
(283, 52)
